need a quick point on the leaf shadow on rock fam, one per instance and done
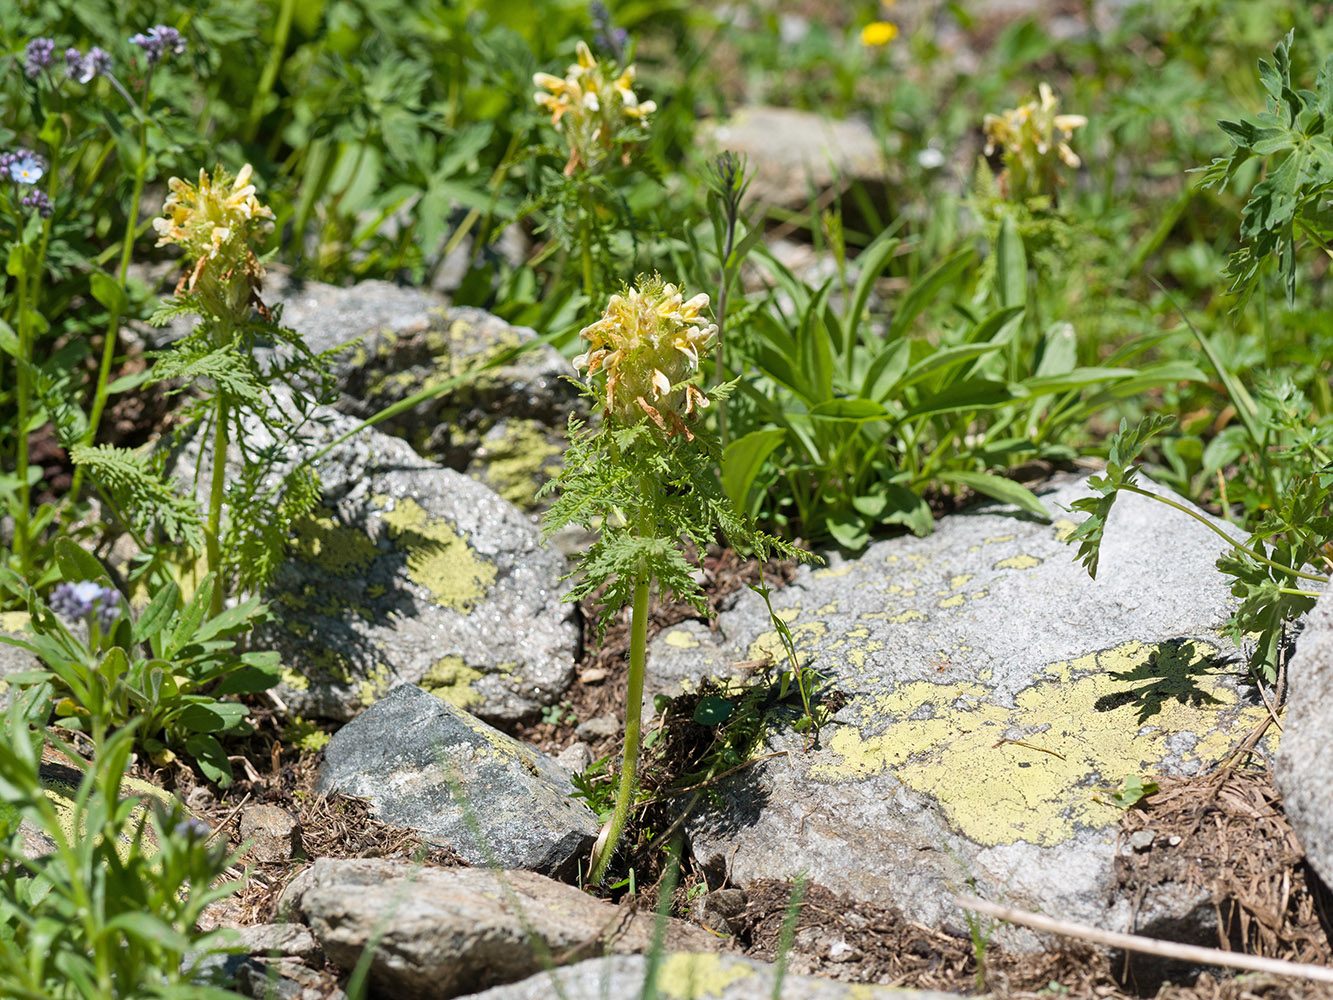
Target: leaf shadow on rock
(1170, 673)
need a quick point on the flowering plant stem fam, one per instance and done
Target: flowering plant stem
(638, 658)
(111, 339)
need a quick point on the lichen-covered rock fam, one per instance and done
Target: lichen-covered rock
(422, 576)
(796, 153)
(690, 976)
(992, 693)
(440, 932)
(14, 659)
(428, 766)
(1304, 764)
(504, 426)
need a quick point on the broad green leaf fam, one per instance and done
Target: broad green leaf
(1011, 265)
(970, 394)
(886, 371)
(712, 710)
(107, 291)
(1004, 490)
(1077, 379)
(925, 289)
(872, 261)
(944, 358)
(849, 410)
(77, 563)
(743, 460)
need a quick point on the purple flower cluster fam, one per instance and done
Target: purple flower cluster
(606, 36)
(82, 600)
(83, 68)
(38, 201)
(38, 56)
(158, 42)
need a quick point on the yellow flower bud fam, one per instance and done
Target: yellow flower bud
(1033, 138)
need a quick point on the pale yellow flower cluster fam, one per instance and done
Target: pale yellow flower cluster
(215, 222)
(591, 107)
(1033, 137)
(648, 343)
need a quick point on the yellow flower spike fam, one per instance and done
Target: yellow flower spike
(592, 106)
(1035, 140)
(648, 343)
(217, 222)
(878, 33)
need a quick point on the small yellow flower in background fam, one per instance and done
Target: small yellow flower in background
(591, 105)
(648, 343)
(216, 222)
(879, 33)
(1033, 138)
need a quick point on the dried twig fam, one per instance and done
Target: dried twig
(1149, 946)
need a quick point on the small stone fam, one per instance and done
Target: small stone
(1141, 840)
(598, 728)
(575, 758)
(280, 941)
(593, 675)
(840, 951)
(718, 911)
(273, 831)
(1173, 841)
(428, 766)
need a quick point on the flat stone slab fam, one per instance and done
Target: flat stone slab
(441, 932)
(994, 694)
(424, 764)
(795, 154)
(1303, 768)
(686, 976)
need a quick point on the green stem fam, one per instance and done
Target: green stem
(213, 529)
(270, 73)
(638, 654)
(1229, 540)
(112, 336)
(24, 392)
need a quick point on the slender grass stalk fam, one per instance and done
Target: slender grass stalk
(1239, 547)
(216, 492)
(638, 656)
(276, 51)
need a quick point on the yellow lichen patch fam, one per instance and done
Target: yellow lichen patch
(450, 679)
(681, 639)
(857, 657)
(906, 616)
(956, 601)
(1063, 529)
(983, 592)
(438, 558)
(519, 461)
(333, 547)
(14, 621)
(295, 681)
(828, 609)
(1018, 562)
(998, 538)
(770, 645)
(698, 977)
(375, 685)
(858, 633)
(1086, 731)
(959, 580)
(828, 574)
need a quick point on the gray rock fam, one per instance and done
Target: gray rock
(991, 689)
(795, 154)
(597, 728)
(272, 832)
(445, 931)
(411, 573)
(279, 941)
(719, 910)
(575, 758)
(426, 765)
(685, 976)
(1303, 768)
(285, 979)
(14, 659)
